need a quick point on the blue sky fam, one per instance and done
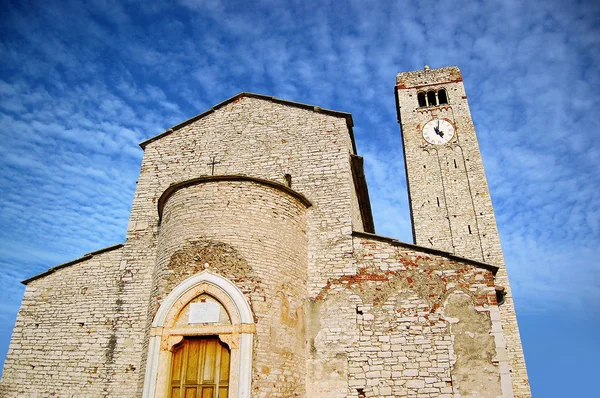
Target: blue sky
(82, 83)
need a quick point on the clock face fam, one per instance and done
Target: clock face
(438, 131)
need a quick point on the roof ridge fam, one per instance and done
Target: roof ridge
(86, 256)
(429, 250)
(314, 108)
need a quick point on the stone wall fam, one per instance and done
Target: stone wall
(409, 323)
(64, 339)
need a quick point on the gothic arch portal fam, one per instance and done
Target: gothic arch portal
(166, 333)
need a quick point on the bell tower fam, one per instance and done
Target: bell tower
(449, 197)
(450, 204)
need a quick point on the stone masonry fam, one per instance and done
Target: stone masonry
(450, 202)
(269, 196)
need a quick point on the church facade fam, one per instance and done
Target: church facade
(251, 268)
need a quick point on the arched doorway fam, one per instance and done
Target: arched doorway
(200, 369)
(175, 326)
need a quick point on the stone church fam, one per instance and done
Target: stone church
(251, 268)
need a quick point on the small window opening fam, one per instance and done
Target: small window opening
(431, 100)
(469, 229)
(358, 310)
(442, 96)
(438, 201)
(288, 180)
(421, 98)
(500, 295)
(361, 392)
(455, 166)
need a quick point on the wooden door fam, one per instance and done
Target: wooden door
(200, 369)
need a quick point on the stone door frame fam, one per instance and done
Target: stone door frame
(165, 335)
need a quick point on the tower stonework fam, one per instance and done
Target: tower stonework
(450, 203)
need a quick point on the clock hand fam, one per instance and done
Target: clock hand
(439, 132)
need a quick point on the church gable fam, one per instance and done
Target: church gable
(306, 150)
(251, 136)
(265, 98)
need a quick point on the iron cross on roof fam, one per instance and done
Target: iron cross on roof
(213, 163)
